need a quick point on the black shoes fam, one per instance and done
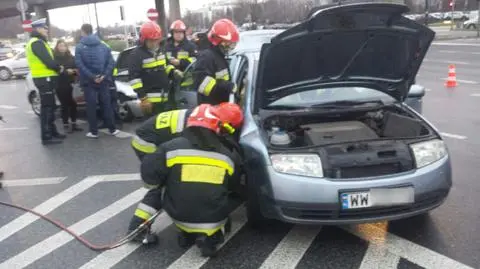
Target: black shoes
(52, 141)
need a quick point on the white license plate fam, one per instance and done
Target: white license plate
(378, 197)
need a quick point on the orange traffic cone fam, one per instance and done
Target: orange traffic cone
(452, 77)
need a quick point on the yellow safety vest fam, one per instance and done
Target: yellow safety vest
(37, 67)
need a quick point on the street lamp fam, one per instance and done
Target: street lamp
(426, 12)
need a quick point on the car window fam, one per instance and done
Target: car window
(327, 95)
(122, 60)
(6, 50)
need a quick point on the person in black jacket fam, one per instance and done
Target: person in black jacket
(211, 74)
(180, 51)
(64, 88)
(190, 176)
(45, 71)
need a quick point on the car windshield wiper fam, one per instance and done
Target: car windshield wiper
(348, 103)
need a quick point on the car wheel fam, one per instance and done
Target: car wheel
(255, 217)
(124, 111)
(5, 74)
(34, 101)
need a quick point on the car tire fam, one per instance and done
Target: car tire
(5, 74)
(255, 218)
(34, 101)
(124, 111)
(471, 26)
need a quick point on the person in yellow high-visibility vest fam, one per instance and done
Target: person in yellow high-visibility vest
(44, 70)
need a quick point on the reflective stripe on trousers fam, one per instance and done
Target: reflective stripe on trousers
(144, 211)
(207, 228)
(142, 145)
(157, 97)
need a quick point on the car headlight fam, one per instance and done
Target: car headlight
(297, 164)
(428, 152)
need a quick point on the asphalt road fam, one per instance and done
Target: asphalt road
(62, 182)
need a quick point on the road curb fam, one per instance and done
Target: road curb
(454, 37)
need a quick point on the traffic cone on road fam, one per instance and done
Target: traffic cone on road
(452, 77)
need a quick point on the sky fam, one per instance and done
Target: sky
(71, 18)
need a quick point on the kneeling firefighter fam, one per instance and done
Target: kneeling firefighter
(148, 70)
(189, 177)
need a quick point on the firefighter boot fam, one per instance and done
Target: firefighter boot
(145, 236)
(208, 244)
(185, 240)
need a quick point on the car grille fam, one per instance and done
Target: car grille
(363, 213)
(366, 170)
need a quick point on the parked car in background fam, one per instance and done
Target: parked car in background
(6, 52)
(15, 66)
(471, 23)
(327, 137)
(128, 103)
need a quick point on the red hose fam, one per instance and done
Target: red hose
(116, 244)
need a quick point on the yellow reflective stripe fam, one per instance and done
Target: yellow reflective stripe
(169, 69)
(202, 174)
(157, 99)
(136, 83)
(178, 120)
(190, 156)
(146, 208)
(115, 71)
(222, 74)
(207, 85)
(183, 55)
(206, 228)
(142, 214)
(142, 145)
(154, 64)
(173, 121)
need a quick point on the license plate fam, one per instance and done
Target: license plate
(378, 197)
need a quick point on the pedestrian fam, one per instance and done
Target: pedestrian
(159, 129)
(180, 51)
(211, 73)
(64, 87)
(95, 63)
(44, 70)
(149, 72)
(189, 178)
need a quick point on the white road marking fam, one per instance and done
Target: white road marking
(455, 44)
(52, 243)
(122, 134)
(120, 177)
(192, 259)
(291, 249)
(449, 51)
(33, 181)
(398, 246)
(446, 62)
(46, 207)
(378, 256)
(14, 129)
(461, 137)
(428, 90)
(475, 95)
(465, 81)
(8, 107)
(110, 258)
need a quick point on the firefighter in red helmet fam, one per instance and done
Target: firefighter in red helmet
(181, 52)
(212, 77)
(190, 176)
(149, 71)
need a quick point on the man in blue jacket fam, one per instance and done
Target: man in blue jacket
(95, 63)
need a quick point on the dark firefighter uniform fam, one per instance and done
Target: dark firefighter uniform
(191, 174)
(44, 70)
(211, 77)
(149, 76)
(185, 52)
(159, 129)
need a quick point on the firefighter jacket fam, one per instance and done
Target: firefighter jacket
(195, 171)
(159, 129)
(211, 77)
(185, 52)
(149, 74)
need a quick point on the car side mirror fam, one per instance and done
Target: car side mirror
(416, 91)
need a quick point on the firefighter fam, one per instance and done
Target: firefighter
(181, 52)
(211, 74)
(189, 178)
(45, 70)
(159, 129)
(149, 72)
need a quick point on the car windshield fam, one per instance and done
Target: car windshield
(250, 40)
(5, 50)
(317, 97)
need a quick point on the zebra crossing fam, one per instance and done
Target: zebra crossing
(28, 242)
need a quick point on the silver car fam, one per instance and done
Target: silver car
(328, 138)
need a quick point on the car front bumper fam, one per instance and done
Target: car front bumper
(306, 200)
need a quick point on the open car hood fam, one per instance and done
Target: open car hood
(368, 44)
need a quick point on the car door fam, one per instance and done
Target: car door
(20, 65)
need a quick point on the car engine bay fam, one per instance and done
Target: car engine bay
(351, 144)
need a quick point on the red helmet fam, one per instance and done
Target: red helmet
(224, 117)
(178, 25)
(223, 30)
(150, 30)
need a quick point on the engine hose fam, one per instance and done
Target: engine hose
(91, 246)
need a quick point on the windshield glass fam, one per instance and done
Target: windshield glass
(5, 50)
(329, 95)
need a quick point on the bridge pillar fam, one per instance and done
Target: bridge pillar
(160, 7)
(174, 13)
(40, 12)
